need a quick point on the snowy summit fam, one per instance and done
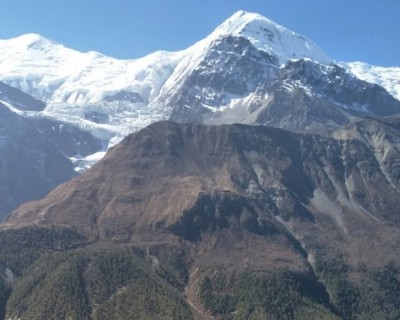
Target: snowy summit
(271, 37)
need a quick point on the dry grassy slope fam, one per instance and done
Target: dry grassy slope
(244, 190)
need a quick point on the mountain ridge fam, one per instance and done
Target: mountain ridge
(174, 149)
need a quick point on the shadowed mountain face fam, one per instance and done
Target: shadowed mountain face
(34, 152)
(19, 99)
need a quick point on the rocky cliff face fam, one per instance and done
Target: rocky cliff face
(302, 95)
(231, 69)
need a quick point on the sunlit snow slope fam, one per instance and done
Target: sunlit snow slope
(387, 77)
(107, 96)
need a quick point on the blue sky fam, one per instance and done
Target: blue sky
(348, 30)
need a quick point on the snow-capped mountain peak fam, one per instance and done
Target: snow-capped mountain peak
(271, 37)
(111, 97)
(30, 40)
(261, 33)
